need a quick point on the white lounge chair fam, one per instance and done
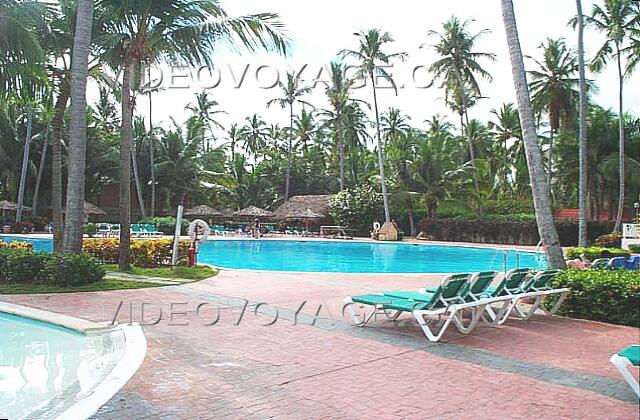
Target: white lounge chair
(625, 361)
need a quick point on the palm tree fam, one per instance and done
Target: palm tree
(177, 31)
(457, 69)
(72, 240)
(233, 136)
(254, 136)
(582, 132)
(338, 94)
(539, 186)
(506, 128)
(292, 93)
(370, 54)
(204, 108)
(554, 87)
(618, 20)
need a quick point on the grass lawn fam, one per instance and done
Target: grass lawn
(200, 272)
(15, 289)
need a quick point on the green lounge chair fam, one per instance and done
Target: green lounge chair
(445, 305)
(151, 230)
(539, 288)
(136, 230)
(624, 361)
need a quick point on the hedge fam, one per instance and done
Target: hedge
(147, 253)
(611, 296)
(166, 224)
(635, 248)
(595, 252)
(504, 232)
(23, 266)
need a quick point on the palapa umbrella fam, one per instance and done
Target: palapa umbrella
(93, 210)
(203, 211)
(253, 211)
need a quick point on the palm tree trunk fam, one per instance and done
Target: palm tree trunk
(25, 163)
(472, 153)
(126, 138)
(412, 223)
(539, 186)
(56, 163)
(152, 152)
(621, 129)
(385, 198)
(582, 134)
(341, 151)
(287, 182)
(136, 177)
(43, 160)
(72, 240)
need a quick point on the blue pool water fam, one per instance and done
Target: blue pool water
(348, 257)
(39, 244)
(359, 257)
(44, 369)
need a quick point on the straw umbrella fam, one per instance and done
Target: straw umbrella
(203, 211)
(253, 211)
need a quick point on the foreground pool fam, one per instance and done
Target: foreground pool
(360, 257)
(50, 372)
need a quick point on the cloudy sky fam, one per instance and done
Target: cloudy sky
(319, 30)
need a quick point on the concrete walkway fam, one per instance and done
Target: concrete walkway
(265, 345)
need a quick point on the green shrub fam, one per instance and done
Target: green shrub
(611, 240)
(595, 252)
(635, 248)
(166, 225)
(611, 296)
(22, 266)
(89, 229)
(73, 270)
(357, 208)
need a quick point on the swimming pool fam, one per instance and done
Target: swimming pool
(360, 257)
(348, 256)
(44, 369)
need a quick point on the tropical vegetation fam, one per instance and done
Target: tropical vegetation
(533, 153)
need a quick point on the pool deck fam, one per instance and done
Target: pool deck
(240, 368)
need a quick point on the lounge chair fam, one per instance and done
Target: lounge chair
(151, 230)
(599, 263)
(218, 230)
(617, 263)
(137, 230)
(633, 263)
(445, 305)
(624, 361)
(103, 230)
(539, 288)
(115, 230)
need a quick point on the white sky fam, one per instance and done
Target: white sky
(319, 30)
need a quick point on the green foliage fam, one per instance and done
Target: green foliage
(66, 270)
(166, 225)
(357, 208)
(595, 252)
(611, 296)
(89, 229)
(635, 248)
(24, 267)
(610, 240)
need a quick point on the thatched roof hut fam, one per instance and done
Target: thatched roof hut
(253, 211)
(202, 211)
(302, 205)
(89, 210)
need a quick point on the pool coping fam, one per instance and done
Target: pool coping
(133, 357)
(72, 323)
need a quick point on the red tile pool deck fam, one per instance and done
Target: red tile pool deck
(547, 367)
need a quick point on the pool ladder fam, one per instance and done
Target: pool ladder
(505, 256)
